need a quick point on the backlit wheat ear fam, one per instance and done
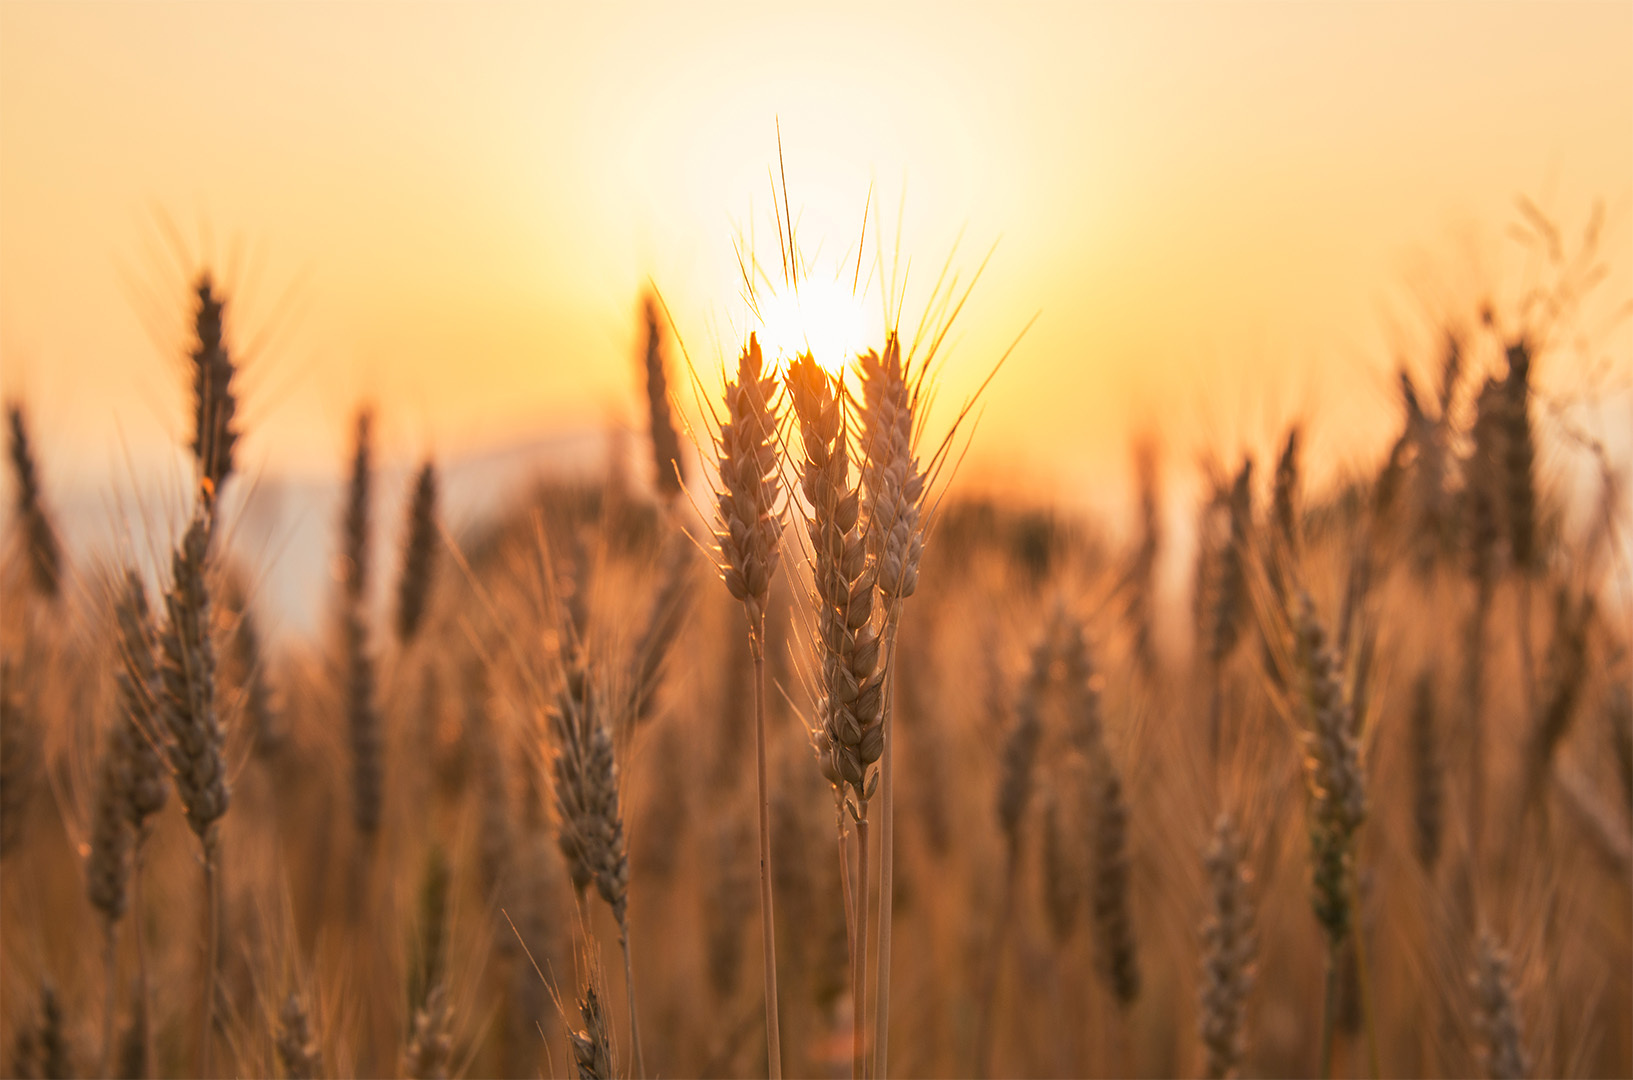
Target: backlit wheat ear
(39, 534)
(419, 554)
(892, 480)
(660, 417)
(851, 686)
(1229, 946)
(750, 526)
(215, 439)
(748, 533)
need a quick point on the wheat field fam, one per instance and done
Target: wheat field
(790, 757)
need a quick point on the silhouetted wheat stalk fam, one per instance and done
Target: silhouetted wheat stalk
(187, 702)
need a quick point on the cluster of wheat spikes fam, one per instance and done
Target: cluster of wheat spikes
(1364, 807)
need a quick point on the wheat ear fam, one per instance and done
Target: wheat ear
(39, 534)
(187, 679)
(1229, 948)
(748, 535)
(894, 487)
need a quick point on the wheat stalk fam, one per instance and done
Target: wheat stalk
(894, 491)
(187, 703)
(419, 554)
(590, 824)
(40, 542)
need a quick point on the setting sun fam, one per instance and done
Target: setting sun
(822, 317)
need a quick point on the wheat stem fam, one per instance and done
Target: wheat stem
(1363, 977)
(212, 901)
(859, 962)
(629, 989)
(768, 925)
(887, 857)
(141, 960)
(1329, 1008)
(110, 961)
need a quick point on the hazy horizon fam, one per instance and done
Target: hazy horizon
(452, 211)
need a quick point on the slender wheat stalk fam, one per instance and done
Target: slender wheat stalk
(894, 489)
(362, 708)
(591, 826)
(1337, 798)
(748, 535)
(146, 787)
(851, 687)
(187, 679)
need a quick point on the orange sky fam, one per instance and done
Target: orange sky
(1224, 213)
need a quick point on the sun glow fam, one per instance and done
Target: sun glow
(824, 318)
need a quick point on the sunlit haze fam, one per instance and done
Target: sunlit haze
(1223, 215)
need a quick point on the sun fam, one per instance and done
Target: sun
(824, 318)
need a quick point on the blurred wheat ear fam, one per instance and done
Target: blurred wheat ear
(40, 544)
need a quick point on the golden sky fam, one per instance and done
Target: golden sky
(1225, 213)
